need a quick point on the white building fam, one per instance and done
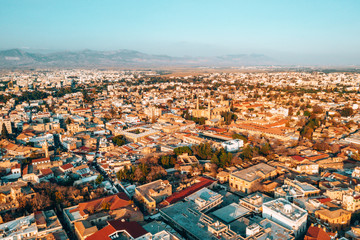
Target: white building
(131, 118)
(233, 145)
(20, 228)
(15, 173)
(356, 173)
(286, 214)
(34, 226)
(40, 140)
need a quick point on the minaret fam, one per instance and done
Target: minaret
(45, 147)
(209, 110)
(197, 103)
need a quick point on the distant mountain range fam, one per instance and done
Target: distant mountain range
(16, 58)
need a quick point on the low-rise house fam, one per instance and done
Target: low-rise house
(337, 193)
(178, 196)
(351, 201)
(186, 162)
(82, 170)
(15, 173)
(205, 199)
(318, 233)
(255, 201)
(66, 168)
(150, 194)
(46, 174)
(353, 233)
(84, 229)
(356, 173)
(223, 176)
(41, 163)
(101, 210)
(295, 189)
(120, 229)
(47, 222)
(336, 220)
(308, 168)
(246, 180)
(38, 225)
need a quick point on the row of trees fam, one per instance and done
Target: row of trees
(228, 117)
(221, 158)
(308, 129)
(49, 195)
(204, 151)
(167, 161)
(251, 151)
(147, 171)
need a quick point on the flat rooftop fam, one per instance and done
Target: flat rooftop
(231, 212)
(254, 172)
(285, 208)
(206, 194)
(268, 229)
(256, 199)
(184, 215)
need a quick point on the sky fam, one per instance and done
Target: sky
(306, 31)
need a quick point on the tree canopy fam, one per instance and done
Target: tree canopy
(119, 140)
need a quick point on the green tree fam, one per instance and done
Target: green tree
(112, 112)
(180, 150)
(200, 121)
(346, 112)
(228, 117)
(248, 152)
(167, 161)
(119, 140)
(203, 151)
(86, 97)
(265, 149)
(68, 121)
(4, 132)
(239, 136)
(99, 179)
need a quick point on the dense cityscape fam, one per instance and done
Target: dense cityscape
(179, 120)
(114, 154)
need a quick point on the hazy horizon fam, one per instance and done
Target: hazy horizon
(306, 32)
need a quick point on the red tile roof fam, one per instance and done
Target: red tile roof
(132, 228)
(18, 165)
(102, 234)
(297, 158)
(40, 160)
(340, 176)
(316, 233)
(46, 171)
(25, 170)
(67, 166)
(204, 182)
(116, 201)
(219, 130)
(324, 200)
(318, 157)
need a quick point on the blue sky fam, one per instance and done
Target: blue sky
(308, 30)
